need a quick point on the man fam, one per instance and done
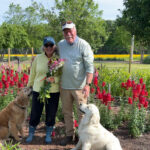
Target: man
(77, 75)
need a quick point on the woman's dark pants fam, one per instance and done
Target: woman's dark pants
(51, 106)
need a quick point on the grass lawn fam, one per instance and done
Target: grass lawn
(123, 65)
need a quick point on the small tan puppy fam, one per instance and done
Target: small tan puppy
(13, 116)
(92, 135)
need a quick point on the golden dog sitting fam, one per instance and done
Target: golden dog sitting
(13, 116)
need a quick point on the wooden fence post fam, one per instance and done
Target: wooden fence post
(32, 51)
(131, 53)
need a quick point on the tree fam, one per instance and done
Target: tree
(13, 36)
(136, 19)
(31, 20)
(119, 41)
(15, 14)
(86, 16)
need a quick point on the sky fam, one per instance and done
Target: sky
(109, 7)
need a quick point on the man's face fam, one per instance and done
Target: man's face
(70, 35)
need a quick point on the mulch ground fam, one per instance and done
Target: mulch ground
(127, 143)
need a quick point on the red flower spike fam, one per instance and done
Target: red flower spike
(130, 100)
(146, 104)
(129, 83)
(103, 84)
(109, 107)
(144, 86)
(1, 85)
(95, 81)
(141, 80)
(53, 133)
(123, 85)
(92, 90)
(75, 124)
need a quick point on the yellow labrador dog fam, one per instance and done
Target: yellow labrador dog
(92, 135)
(13, 116)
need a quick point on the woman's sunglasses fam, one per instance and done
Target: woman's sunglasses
(48, 45)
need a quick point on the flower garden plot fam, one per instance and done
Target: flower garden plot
(118, 124)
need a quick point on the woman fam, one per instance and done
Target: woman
(38, 73)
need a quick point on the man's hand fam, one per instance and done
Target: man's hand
(86, 91)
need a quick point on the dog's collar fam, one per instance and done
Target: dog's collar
(20, 106)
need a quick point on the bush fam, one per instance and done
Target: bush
(146, 60)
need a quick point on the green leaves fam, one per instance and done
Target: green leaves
(13, 36)
(136, 18)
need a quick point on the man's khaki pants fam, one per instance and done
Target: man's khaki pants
(68, 97)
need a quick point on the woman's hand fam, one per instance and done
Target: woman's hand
(50, 79)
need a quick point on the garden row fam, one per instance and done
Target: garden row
(115, 88)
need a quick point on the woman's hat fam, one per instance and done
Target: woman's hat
(48, 39)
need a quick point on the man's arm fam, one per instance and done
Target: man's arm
(86, 89)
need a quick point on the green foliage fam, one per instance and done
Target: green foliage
(114, 77)
(13, 36)
(146, 60)
(137, 118)
(107, 117)
(136, 18)
(119, 40)
(10, 146)
(4, 100)
(87, 17)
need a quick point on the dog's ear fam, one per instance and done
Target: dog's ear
(87, 118)
(95, 119)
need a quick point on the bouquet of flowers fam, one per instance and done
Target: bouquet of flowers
(54, 69)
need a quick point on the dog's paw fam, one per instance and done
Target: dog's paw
(18, 139)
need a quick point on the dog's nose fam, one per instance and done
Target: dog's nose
(80, 104)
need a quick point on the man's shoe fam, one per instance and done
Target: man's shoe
(67, 140)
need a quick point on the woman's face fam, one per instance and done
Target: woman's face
(49, 49)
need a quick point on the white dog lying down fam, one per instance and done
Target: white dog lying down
(92, 135)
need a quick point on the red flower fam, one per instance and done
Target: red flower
(103, 84)
(129, 83)
(123, 85)
(109, 107)
(92, 90)
(139, 106)
(3, 77)
(144, 86)
(100, 96)
(103, 92)
(6, 84)
(142, 100)
(95, 81)
(12, 83)
(133, 83)
(108, 97)
(20, 85)
(146, 104)
(141, 80)
(1, 85)
(138, 88)
(53, 133)
(130, 100)
(75, 124)
(142, 93)
(98, 89)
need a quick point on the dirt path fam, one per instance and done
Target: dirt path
(127, 143)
